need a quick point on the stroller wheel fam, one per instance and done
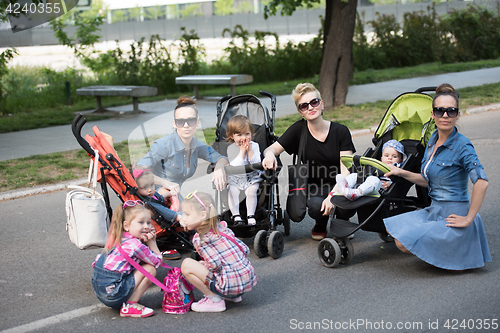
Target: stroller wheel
(286, 223)
(346, 250)
(275, 244)
(329, 252)
(386, 237)
(260, 244)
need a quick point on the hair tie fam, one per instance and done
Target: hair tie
(138, 172)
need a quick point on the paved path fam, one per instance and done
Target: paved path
(159, 115)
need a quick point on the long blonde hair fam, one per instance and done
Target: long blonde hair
(212, 221)
(115, 232)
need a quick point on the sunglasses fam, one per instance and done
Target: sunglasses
(132, 203)
(190, 121)
(439, 112)
(305, 106)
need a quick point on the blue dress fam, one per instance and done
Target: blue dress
(424, 232)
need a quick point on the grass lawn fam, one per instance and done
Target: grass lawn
(64, 114)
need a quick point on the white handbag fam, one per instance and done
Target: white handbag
(87, 220)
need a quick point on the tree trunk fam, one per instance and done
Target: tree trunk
(337, 66)
(327, 21)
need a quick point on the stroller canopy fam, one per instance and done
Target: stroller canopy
(247, 105)
(408, 117)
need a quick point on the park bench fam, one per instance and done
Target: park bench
(232, 80)
(134, 91)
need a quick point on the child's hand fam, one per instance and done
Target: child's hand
(164, 192)
(150, 236)
(385, 184)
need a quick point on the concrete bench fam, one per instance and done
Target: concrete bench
(232, 80)
(134, 91)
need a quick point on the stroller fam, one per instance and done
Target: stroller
(113, 172)
(408, 120)
(269, 214)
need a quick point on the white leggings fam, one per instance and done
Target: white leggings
(251, 197)
(371, 183)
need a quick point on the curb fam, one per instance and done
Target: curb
(15, 194)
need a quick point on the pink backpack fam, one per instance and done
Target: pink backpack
(178, 293)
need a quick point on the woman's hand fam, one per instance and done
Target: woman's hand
(219, 179)
(327, 206)
(174, 188)
(457, 221)
(395, 171)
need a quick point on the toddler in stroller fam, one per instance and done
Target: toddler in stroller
(113, 172)
(268, 213)
(243, 151)
(392, 153)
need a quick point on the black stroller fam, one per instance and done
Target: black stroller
(408, 120)
(269, 214)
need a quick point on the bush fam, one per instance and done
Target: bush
(476, 31)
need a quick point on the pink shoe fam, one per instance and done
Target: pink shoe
(207, 305)
(233, 300)
(135, 310)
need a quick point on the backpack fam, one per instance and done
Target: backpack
(178, 293)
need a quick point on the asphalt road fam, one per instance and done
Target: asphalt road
(45, 281)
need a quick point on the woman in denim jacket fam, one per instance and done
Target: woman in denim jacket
(449, 233)
(174, 158)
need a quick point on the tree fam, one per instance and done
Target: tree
(5, 57)
(337, 63)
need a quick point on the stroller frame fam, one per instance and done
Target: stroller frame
(268, 240)
(394, 200)
(112, 164)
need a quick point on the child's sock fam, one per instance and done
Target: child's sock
(215, 298)
(341, 183)
(352, 193)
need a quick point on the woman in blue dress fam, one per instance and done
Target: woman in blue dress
(449, 233)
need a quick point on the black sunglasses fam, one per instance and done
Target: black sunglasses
(190, 121)
(439, 112)
(305, 106)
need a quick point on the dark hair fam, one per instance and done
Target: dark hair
(445, 89)
(184, 101)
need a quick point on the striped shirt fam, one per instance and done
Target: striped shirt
(137, 250)
(233, 271)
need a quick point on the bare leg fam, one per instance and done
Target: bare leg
(141, 282)
(196, 273)
(401, 247)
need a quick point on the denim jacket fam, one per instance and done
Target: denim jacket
(167, 158)
(447, 173)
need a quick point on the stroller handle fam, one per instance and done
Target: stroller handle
(241, 169)
(76, 127)
(422, 89)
